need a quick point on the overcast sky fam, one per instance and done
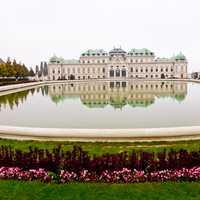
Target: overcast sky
(33, 30)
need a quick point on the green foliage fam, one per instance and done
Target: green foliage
(13, 69)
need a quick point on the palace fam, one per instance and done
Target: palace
(117, 64)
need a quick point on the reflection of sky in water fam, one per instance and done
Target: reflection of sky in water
(104, 105)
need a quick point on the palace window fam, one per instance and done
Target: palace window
(124, 72)
(103, 70)
(131, 69)
(117, 73)
(111, 73)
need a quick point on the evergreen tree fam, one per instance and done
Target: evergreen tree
(45, 69)
(31, 72)
(36, 69)
(41, 72)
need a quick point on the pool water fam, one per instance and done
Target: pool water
(99, 104)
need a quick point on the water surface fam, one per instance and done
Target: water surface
(117, 104)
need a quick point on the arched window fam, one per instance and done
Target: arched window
(111, 73)
(117, 72)
(123, 72)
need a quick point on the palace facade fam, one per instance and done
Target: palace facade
(117, 64)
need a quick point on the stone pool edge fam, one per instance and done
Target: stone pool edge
(102, 135)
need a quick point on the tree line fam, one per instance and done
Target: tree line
(42, 70)
(13, 69)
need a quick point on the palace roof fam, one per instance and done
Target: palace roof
(117, 51)
(140, 52)
(179, 56)
(59, 60)
(95, 52)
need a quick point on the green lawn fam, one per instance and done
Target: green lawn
(105, 147)
(17, 190)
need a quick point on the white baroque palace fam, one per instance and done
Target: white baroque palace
(117, 64)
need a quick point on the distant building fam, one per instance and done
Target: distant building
(195, 75)
(117, 64)
(1, 61)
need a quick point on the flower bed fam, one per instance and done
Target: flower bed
(77, 160)
(77, 165)
(25, 175)
(122, 176)
(132, 176)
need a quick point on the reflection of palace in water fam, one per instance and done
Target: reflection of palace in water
(118, 93)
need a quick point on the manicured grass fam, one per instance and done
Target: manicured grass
(99, 148)
(17, 190)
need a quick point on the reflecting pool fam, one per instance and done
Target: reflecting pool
(97, 104)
